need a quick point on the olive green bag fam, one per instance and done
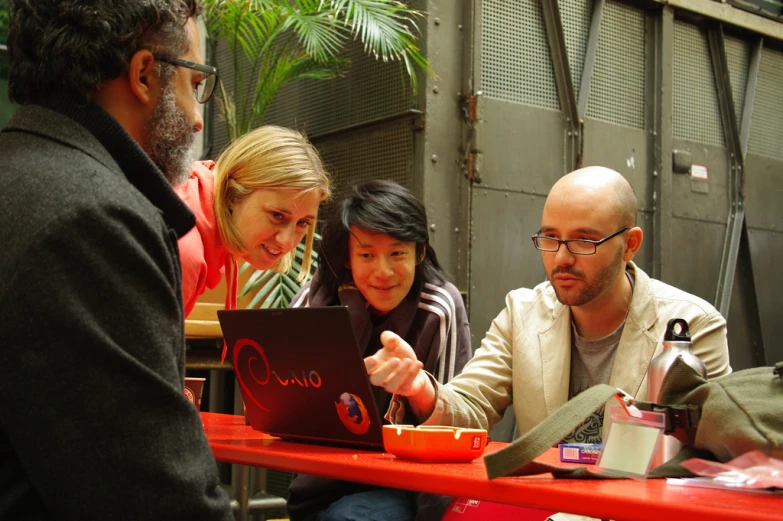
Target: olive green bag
(718, 419)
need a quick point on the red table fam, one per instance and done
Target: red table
(234, 442)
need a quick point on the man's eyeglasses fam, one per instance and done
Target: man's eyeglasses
(575, 246)
(206, 87)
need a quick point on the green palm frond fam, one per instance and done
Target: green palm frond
(321, 36)
(222, 18)
(272, 290)
(279, 39)
(289, 69)
(380, 25)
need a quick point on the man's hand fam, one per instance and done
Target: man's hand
(396, 368)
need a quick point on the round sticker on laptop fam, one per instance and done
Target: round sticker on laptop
(353, 413)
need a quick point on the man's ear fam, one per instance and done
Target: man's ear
(633, 243)
(143, 77)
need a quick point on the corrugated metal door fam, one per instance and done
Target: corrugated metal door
(559, 84)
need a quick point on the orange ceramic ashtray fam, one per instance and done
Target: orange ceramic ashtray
(434, 443)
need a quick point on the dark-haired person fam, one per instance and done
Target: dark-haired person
(376, 259)
(93, 420)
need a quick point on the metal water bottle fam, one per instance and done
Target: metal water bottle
(676, 344)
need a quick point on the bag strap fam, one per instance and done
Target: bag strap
(512, 459)
(680, 419)
(518, 458)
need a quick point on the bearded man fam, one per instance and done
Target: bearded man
(93, 420)
(598, 319)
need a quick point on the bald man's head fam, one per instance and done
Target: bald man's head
(585, 209)
(599, 186)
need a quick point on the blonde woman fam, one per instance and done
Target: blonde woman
(255, 204)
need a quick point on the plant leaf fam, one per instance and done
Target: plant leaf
(266, 278)
(276, 289)
(319, 33)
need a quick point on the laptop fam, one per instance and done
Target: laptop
(302, 376)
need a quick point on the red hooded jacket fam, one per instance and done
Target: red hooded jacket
(203, 256)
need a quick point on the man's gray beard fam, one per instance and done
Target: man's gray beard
(170, 135)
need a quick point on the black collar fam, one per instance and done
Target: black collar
(138, 168)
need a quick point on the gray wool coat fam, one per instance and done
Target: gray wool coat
(93, 420)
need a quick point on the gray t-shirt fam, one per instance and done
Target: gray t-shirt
(591, 364)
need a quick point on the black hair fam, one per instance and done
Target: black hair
(70, 47)
(378, 207)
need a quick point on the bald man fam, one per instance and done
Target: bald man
(598, 319)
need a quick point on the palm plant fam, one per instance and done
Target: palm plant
(273, 42)
(286, 40)
(275, 290)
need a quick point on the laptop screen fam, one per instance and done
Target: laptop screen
(301, 374)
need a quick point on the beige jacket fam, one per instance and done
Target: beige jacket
(525, 357)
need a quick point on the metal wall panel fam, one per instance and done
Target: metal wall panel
(764, 218)
(623, 150)
(382, 153)
(515, 64)
(222, 59)
(521, 142)
(576, 16)
(702, 200)
(764, 191)
(370, 90)
(746, 345)
(766, 130)
(767, 257)
(503, 256)
(438, 156)
(764, 213)
(617, 89)
(696, 116)
(644, 257)
(697, 246)
(738, 59)
(522, 147)
(614, 134)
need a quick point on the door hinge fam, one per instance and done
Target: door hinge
(469, 108)
(470, 169)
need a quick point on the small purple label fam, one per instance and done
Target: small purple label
(580, 452)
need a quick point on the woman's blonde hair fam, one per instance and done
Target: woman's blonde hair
(268, 157)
